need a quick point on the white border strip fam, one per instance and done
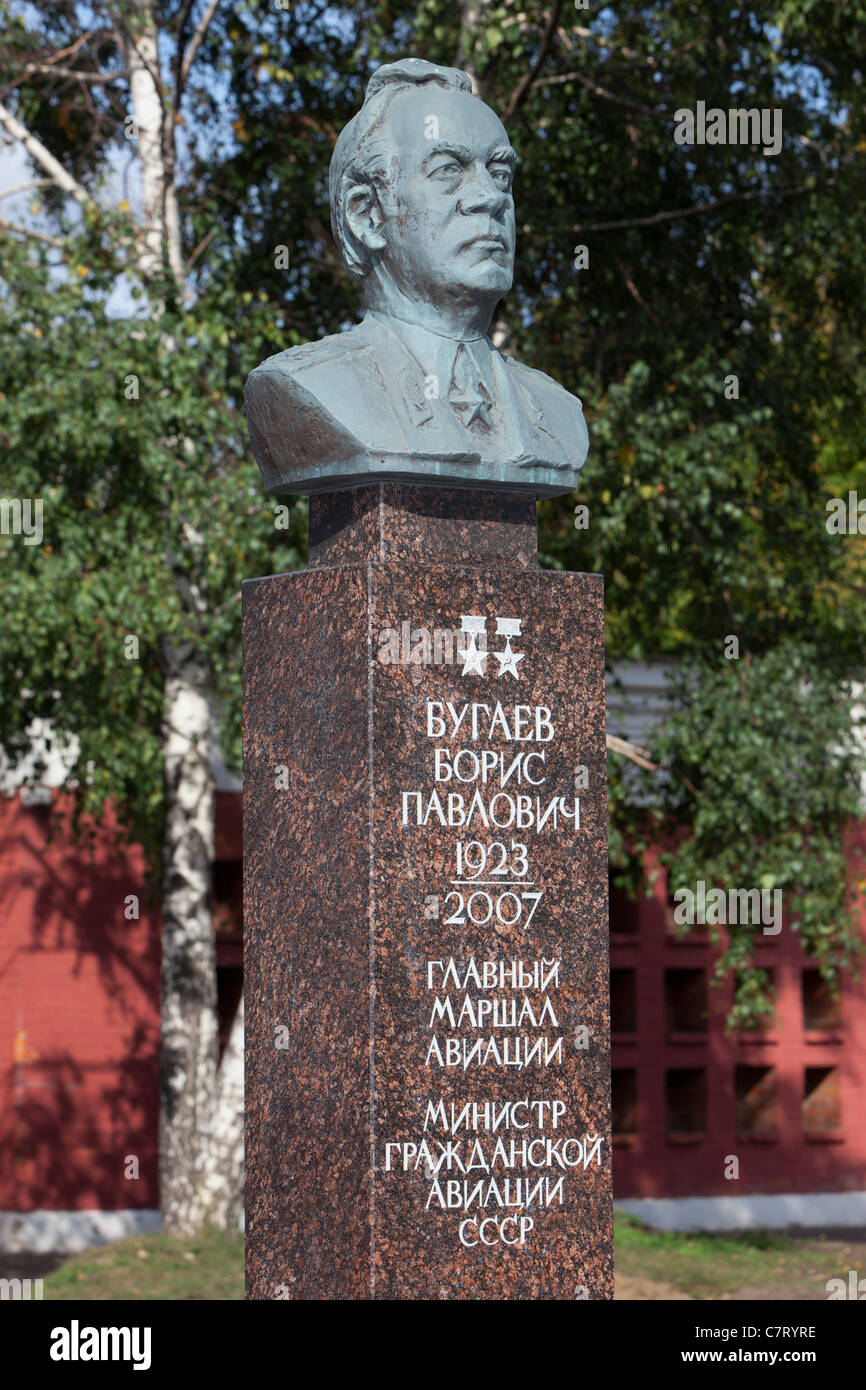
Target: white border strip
(757, 1211)
(70, 1232)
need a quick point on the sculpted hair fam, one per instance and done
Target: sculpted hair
(364, 153)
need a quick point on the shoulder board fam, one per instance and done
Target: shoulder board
(311, 354)
(541, 378)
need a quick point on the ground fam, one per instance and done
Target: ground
(650, 1265)
(746, 1266)
(158, 1267)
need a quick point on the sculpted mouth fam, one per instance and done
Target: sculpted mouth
(487, 241)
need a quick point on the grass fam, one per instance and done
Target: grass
(712, 1266)
(142, 1268)
(211, 1266)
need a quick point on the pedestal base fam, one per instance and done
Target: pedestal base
(425, 906)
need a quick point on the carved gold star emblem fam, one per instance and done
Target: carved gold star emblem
(477, 407)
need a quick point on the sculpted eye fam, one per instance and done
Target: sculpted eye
(448, 169)
(501, 174)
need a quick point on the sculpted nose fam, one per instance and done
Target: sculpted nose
(482, 193)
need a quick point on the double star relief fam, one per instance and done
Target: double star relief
(475, 625)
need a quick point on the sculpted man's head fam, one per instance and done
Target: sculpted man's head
(421, 202)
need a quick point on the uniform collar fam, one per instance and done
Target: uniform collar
(436, 352)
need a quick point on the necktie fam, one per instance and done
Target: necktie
(467, 394)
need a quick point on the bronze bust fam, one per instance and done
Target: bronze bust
(423, 214)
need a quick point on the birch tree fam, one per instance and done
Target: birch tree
(129, 77)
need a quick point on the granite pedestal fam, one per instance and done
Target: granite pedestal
(425, 910)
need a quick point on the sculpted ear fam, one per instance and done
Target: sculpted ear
(364, 216)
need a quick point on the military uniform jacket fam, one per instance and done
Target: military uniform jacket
(361, 407)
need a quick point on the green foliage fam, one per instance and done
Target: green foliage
(706, 512)
(153, 515)
(764, 771)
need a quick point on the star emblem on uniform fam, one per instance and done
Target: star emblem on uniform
(475, 406)
(467, 395)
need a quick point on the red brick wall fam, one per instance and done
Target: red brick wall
(79, 1022)
(79, 1039)
(786, 1146)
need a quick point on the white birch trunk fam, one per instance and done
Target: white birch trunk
(189, 1021)
(223, 1185)
(159, 201)
(471, 17)
(201, 1120)
(202, 1111)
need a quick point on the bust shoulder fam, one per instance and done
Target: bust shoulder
(322, 352)
(542, 383)
(554, 410)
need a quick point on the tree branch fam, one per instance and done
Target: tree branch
(522, 90)
(632, 751)
(203, 244)
(37, 151)
(196, 41)
(603, 92)
(22, 187)
(635, 292)
(50, 70)
(73, 47)
(29, 232)
(642, 758)
(633, 58)
(178, 56)
(652, 218)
